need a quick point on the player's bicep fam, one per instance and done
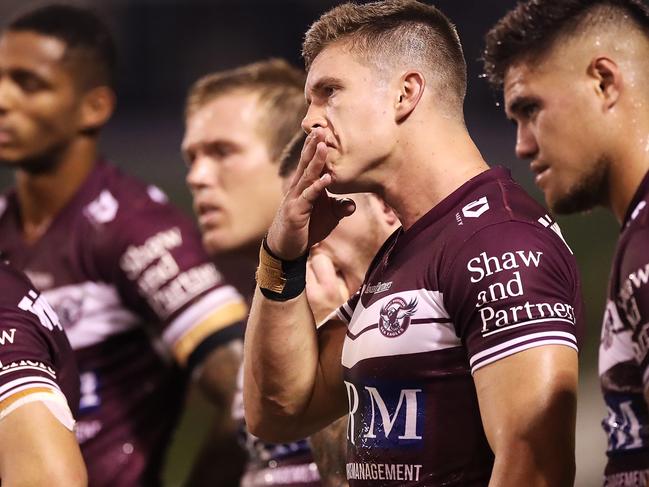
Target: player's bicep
(528, 407)
(37, 450)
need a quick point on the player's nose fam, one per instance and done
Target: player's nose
(314, 118)
(7, 94)
(202, 173)
(526, 143)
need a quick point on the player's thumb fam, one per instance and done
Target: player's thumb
(343, 207)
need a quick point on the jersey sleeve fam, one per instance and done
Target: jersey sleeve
(511, 287)
(633, 297)
(163, 273)
(346, 310)
(27, 366)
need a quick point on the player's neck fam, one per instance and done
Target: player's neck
(626, 172)
(433, 164)
(42, 195)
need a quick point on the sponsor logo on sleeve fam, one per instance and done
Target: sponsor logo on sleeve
(139, 257)
(626, 299)
(103, 209)
(476, 208)
(494, 313)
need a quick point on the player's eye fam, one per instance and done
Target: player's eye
(528, 110)
(28, 82)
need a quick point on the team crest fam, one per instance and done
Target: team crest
(395, 316)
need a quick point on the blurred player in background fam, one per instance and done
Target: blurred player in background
(39, 386)
(237, 124)
(142, 305)
(575, 76)
(456, 360)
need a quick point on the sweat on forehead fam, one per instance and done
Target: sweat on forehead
(534, 27)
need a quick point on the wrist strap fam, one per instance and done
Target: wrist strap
(280, 280)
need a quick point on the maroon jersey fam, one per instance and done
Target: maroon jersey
(624, 351)
(139, 300)
(483, 275)
(36, 361)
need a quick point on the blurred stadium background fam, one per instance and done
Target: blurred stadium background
(164, 45)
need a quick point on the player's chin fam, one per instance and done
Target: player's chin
(215, 243)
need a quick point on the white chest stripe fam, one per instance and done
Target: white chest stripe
(90, 312)
(428, 327)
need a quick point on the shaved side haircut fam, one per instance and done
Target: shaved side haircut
(280, 90)
(531, 29)
(396, 33)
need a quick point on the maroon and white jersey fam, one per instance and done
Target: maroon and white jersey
(624, 350)
(36, 361)
(483, 275)
(140, 303)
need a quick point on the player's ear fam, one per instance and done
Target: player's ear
(607, 80)
(97, 107)
(411, 88)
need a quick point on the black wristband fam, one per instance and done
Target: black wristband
(278, 279)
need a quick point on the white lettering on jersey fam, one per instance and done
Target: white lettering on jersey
(137, 258)
(484, 265)
(37, 305)
(626, 297)
(103, 209)
(410, 428)
(407, 396)
(476, 208)
(7, 336)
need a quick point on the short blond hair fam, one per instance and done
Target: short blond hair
(280, 90)
(395, 31)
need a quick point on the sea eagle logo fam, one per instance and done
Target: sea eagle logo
(395, 316)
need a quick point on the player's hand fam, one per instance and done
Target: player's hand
(325, 288)
(307, 213)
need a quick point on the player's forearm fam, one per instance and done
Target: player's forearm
(280, 364)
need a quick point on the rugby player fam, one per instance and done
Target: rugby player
(457, 358)
(142, 305)
(39, 388)
(237, 124)
(574, 75)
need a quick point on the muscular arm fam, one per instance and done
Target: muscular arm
(528, 406)
(36, 450)
(293, 382)
(221, 460)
